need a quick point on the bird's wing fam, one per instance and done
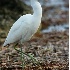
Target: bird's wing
(17, 24)
(15, 33)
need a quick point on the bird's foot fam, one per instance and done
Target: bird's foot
(33, 59)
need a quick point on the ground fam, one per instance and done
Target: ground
(49, 49)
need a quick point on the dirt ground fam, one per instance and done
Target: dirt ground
(51, 50)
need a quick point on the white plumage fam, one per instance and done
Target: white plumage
(23, 29)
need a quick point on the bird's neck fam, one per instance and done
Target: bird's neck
(36, 8)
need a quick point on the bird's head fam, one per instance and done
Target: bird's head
(36, 7)
(35, 3)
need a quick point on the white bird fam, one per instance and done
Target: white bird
(26, 26)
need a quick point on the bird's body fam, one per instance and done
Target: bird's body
(23, 29)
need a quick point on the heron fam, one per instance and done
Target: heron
(26, 26)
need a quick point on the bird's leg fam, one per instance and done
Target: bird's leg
(22, 57)
(15, 47)
(21, 54)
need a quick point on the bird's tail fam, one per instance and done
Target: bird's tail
(5, 44)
